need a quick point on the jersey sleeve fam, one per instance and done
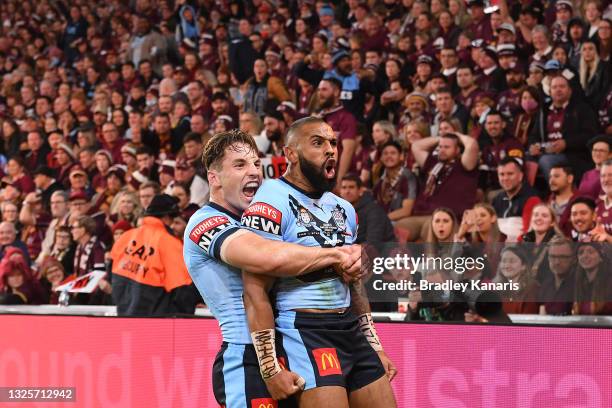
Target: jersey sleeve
(209, 232)
(267, 214)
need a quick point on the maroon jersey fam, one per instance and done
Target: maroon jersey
(554, 124)
(604, 214)
(89, 257)
(481, 29)
(447, 185)
(492, 154)
(509, 104)
(468, 101)
(343, 123)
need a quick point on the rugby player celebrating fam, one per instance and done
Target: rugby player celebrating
(216, 248)
(334, 347)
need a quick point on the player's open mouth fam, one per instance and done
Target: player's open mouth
(330, 168)
(250, 189)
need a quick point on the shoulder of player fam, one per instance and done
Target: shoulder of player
(204, 220)
(348, 207)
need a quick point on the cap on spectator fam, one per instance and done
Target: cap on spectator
(68, 150)
(372, 67)
(600, 138)
(552, 65)
(506, 50)
(564, 4)
(167, 167)
(208, 39)
(490, 51)
(77, 170)
(106, 153)
(287, 107)
(326, 10)
(100, 109)
(438, 44)
(129, 150)
(122, 225)
(78, 195)
(162, 204)
(536, 66)
(182, 163)
(188, 43)
(419, 97)
(425, 59)
(137, 178)
(339, 55)
(533, 9)
(219, 95)
(118, 170)
(274, 50)
(45, 171)
(229, 122)
(342, 43)
(477, 43)
(507, 27)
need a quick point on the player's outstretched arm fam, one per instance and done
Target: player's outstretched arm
(280, 383)
(361, 307)
(248, 251)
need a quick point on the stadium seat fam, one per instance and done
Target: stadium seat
(531, 171)
(402, 234)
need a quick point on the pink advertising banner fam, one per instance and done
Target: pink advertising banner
(115, 362)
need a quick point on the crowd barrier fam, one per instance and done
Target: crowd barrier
(146, 362)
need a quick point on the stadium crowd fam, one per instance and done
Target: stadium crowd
(469, 123)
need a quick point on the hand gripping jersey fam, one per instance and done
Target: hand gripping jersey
(282, 212)
(219, 283)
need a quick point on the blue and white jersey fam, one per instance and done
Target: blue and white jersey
(283, 212)
(219, 283)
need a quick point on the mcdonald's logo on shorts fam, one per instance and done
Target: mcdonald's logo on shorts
(264, 403)
(327, 361)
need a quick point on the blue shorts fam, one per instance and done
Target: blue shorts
(328, 349)
(237, 382)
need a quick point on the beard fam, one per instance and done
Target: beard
(326, 103)
(275, 136)
(316, 176)
(514, 84)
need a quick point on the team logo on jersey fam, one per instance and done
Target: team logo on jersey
(263, 217)
(264, 403)
(327, 233)
(203, 233)
(327, 361)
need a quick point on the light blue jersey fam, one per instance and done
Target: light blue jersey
(219, 283)
(282, 212)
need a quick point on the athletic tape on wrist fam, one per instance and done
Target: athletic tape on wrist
(265, 348)
(366, 325)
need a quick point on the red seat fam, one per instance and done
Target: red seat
(402, 234)
(531, 171)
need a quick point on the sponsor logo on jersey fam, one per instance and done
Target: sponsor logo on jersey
(263, 217)
(327, 361)
(263, 403)
(203, 233)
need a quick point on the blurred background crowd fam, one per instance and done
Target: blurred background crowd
(474, 123)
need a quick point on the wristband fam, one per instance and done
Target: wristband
(265, 348)
(366, 325)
